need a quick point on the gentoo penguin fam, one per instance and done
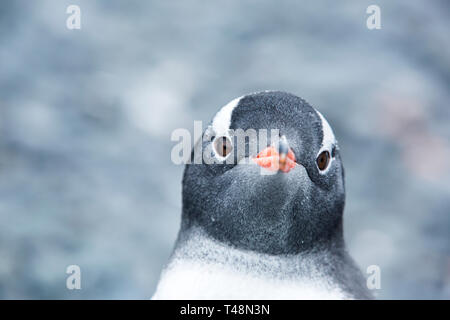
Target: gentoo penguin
(249, 235)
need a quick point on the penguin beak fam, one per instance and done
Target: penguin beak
(274, 159)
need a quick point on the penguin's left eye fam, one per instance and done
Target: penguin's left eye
(223, 146)
(323, 160)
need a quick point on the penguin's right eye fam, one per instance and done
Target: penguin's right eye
(323, 160)
(223, 146)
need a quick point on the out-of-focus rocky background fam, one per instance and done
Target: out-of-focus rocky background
(86, 117)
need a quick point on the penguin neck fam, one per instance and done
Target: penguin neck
(330, 240)
(195, 245)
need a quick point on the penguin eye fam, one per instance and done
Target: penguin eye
(223, 146)
(323, 160)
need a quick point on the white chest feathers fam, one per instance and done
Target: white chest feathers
(192, 280)
(205, 269)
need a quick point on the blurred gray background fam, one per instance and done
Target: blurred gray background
(86, 117)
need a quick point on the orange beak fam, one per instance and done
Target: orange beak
(274, 160)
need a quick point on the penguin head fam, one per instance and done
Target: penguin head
(279, 193)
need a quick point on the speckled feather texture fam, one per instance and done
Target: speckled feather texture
(203, 268)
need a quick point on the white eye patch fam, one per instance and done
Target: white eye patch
(222, 120)
(328, 140)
